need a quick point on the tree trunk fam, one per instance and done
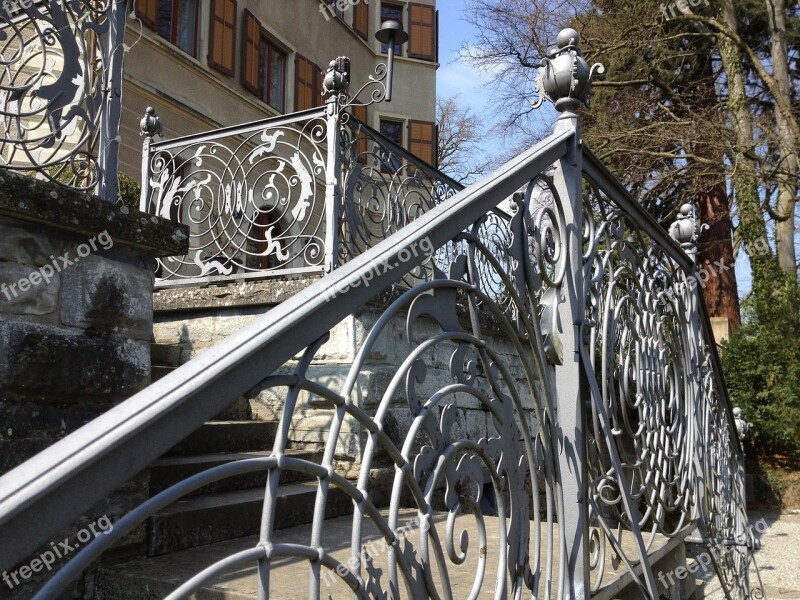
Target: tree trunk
(752, 225)
(788, 165)
(715, 256)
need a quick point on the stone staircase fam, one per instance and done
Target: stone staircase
(225, 510)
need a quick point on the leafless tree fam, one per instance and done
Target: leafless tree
(460, 151)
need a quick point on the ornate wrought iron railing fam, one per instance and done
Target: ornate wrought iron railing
(259, 198)
(60, 90)
(568, 317)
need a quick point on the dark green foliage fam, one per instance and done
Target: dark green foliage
(762, 368)
(129, 191)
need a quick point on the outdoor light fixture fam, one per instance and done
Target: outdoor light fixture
(391, 33)
(337, 77)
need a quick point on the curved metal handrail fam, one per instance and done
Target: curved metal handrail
(53, 488)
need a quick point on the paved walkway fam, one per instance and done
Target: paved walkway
(778, 560)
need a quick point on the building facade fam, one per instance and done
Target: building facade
(205, 64)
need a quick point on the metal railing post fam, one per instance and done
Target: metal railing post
(333, 190)
(565, 79)
(569, 379)
(108, 158)
(149, 127)
(685, 231)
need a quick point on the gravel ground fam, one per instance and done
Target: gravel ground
(778, 560)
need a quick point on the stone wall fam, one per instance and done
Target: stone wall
(76, 282)
(190, 320)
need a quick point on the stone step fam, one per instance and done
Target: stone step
(227, 436)
(201, 520)
(165, 355)
(168, 471)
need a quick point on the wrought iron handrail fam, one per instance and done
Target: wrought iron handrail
(607, 426)
(53, 488)
(233, 187)
(60, 91)
(597, 171)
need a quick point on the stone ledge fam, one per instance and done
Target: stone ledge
(27, 199)
(229, 295)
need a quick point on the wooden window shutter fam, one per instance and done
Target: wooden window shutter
(251, 41)
(308, 84)
(147, 11)
(422, 32)
(318, 75)
(422, 140)
(222, 37)
(361, 19)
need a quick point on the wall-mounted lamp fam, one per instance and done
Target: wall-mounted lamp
(391, 33)
(337, 79)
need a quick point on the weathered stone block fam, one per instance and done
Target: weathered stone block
(225, 325)
(45, 363)
(24, 291)
(100, 294)
(25, 246)
(190, 330)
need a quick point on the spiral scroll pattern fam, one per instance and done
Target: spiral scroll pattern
(53, 65)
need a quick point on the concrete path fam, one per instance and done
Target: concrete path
(778, 560)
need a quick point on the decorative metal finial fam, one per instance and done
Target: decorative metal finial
(150, 125)
(686, 230)
(565, 77)
(379, 85)
(742, 426)
(337, 77)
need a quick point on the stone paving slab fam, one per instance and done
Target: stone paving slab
(157, 577)
(778, 560)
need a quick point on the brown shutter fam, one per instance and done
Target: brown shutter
(308, 84)
(360, 113)
(147, 11)
(361, 19)
(251, 41)
(421, 31)
(422, 140)
(319, 100)
(222, 37)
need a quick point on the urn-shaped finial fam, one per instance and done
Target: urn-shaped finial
(686, 230)
(150, 125)
(337, 77)
(565, 77)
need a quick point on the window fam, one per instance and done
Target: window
(176, 22)
(391, 12)
(392, 130)
(271, 74)
(336, 7)
(264, 64)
